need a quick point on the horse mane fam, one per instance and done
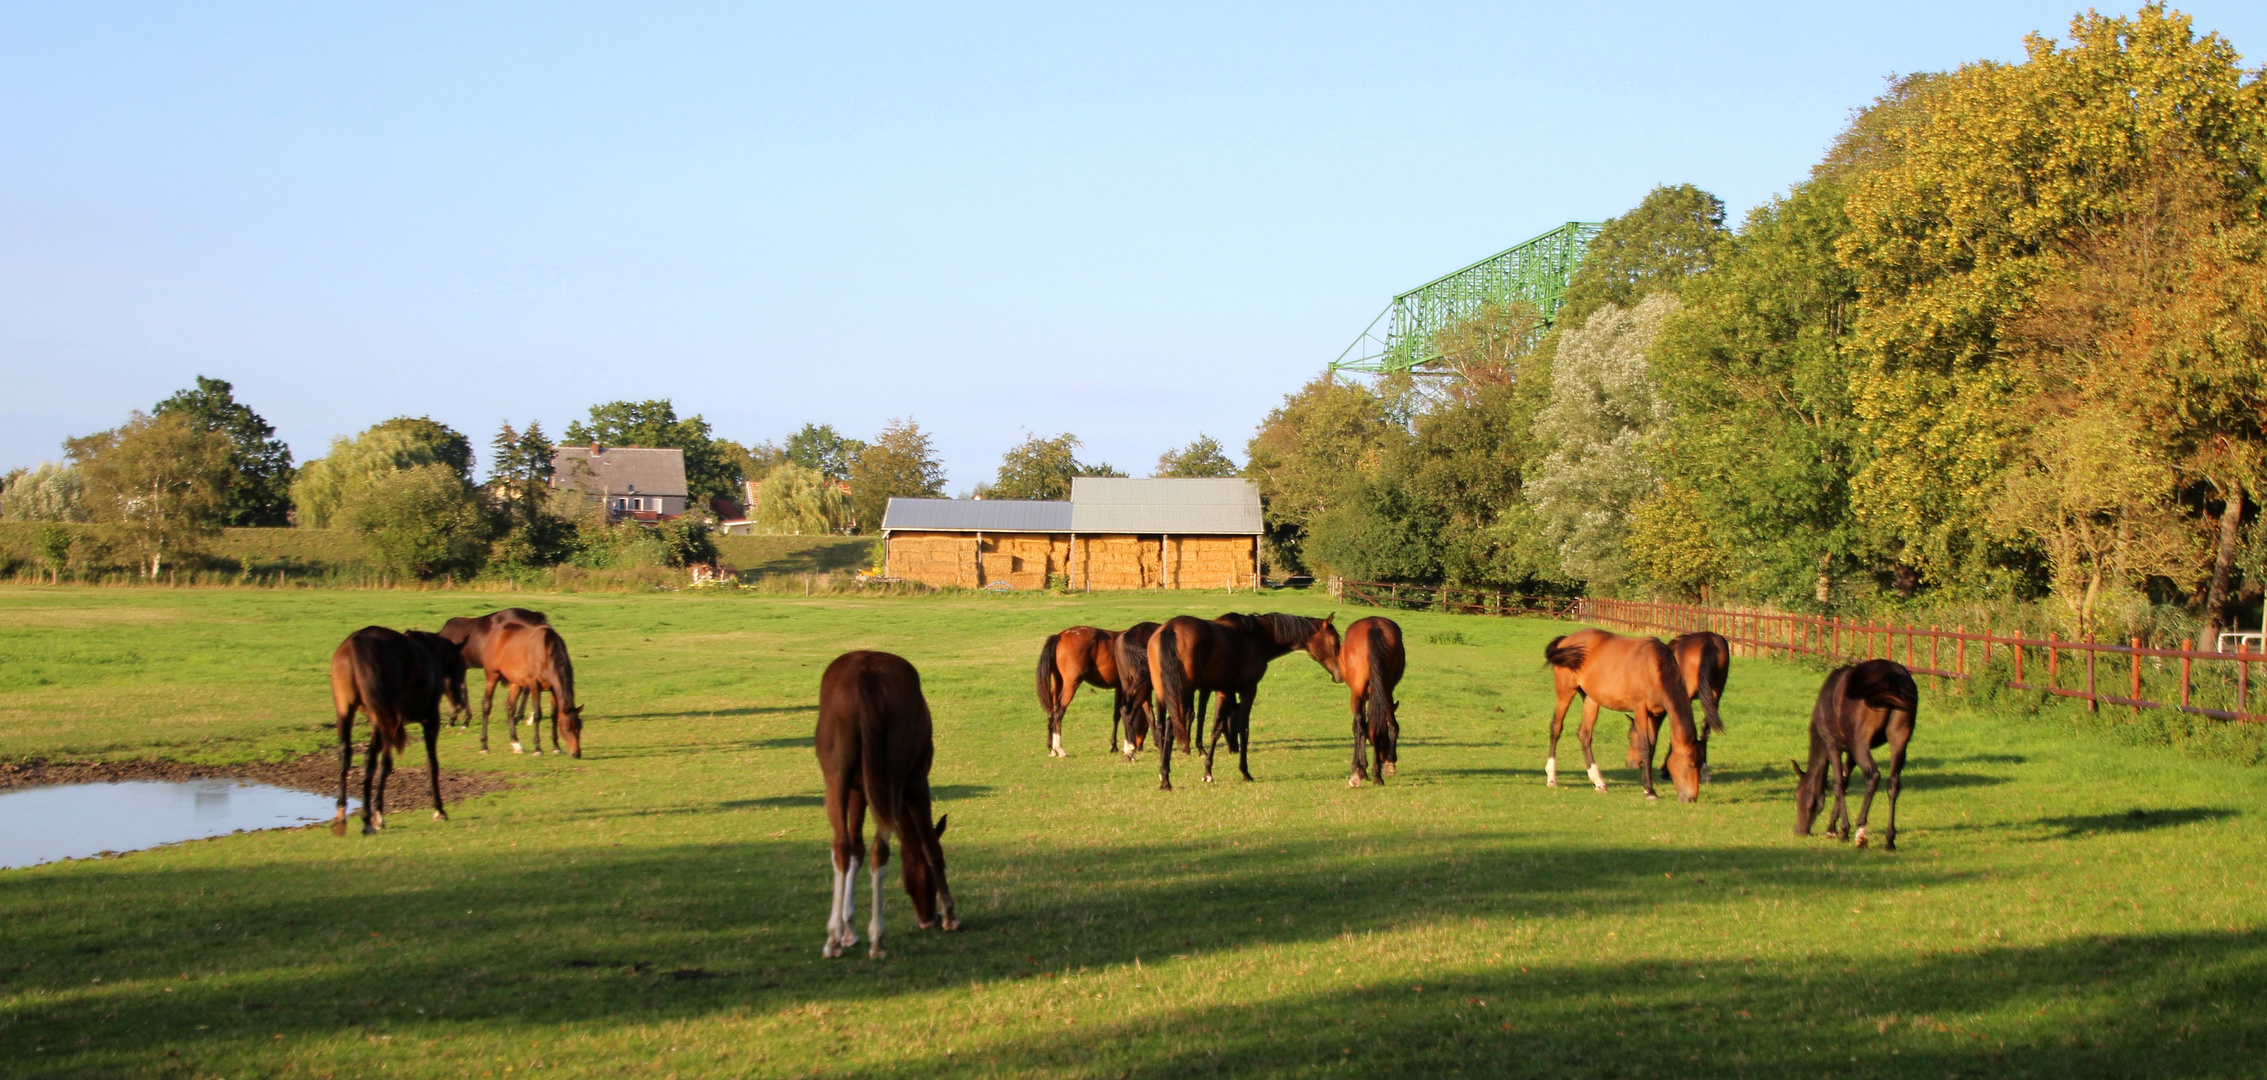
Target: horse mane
(1285, 629)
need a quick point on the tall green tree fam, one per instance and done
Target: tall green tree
(1201, 459)
(798, 500)
(709, 471)
(1320, 450)
(52, 492)
(821, 447)
(1042, 469)
(423, 521)
(328, 483)
(259, 486)
(1602, 425)
(1670, 237)
(901, 463)
(157, 486)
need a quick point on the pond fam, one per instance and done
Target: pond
(73, 821)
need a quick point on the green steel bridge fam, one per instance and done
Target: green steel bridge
(1535, 271)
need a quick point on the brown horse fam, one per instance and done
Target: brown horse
(1189, 656)
(1636, 675)
(1370, 662)
(396, 678)
(1704, 660)
(1081, 654)
(874, 750)
(471, 635)
(533, 659)
(1134, 688)
(1860, 707)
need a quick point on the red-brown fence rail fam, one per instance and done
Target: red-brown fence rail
(2213, 684)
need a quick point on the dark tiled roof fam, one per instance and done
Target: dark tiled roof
(978, 515)
(620, 470)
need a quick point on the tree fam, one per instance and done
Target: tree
(709, 471)
(259, 487)
(51, 492)
(1319, 450)
(1042, 469)
(1202, 458)
(752, 461)
(799, 500)
(1669, 238)
(519, 471)
(820, 447)
(1601, 424)
(54, 542)
(1670, 546)
(326, 484)
(902, 463)
(157, 485)
(422, 521)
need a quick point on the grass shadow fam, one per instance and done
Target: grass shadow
(2133, 821)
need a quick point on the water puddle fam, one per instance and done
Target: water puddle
(73, 821)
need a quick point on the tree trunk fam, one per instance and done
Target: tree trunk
(2222, 560)
(1825, 578)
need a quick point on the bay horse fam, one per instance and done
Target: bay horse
(533, 659)
(1704, 660)
(874, 744)
(396, 679)
(1636, 675)
(1860, 707)
(471, 635)
(1189, 656)
(1370, 662)
(1135, 691)
(1081, 654)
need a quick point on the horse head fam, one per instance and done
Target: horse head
(573, 727)
(1810, 791)
(925, 879)
(1323, 643)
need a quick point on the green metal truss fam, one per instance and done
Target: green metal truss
(1535, 271)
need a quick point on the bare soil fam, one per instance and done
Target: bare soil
(405, 789)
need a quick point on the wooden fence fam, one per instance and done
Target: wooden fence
(2212, 684)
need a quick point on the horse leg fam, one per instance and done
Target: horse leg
(1644, 726)
(488, 704)
(1242, 703)
(1558, 724)
(370, 772)
(1196, 732)
(1055, 709)
(1219, 728)
(345, 767)
(1361, 732)
(874, 875)
(1589, 727)
(433, 768)
(1176, 714)
(1118, 700)
(1864, 754)
(1896, 781)
(555, 721)
(849, 821)
(1838, 825)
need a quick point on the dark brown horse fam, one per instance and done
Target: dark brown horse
(471, 636)
(1636, 675)
(534, 659)
(1189, 656)
(1862, 706)
(1134, 688)
(1704, 660)
(874, 750)
(1081, 654)
(1370, 662)
(396, 679)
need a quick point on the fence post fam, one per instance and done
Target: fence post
(2186, 646)
(2016, 643)
(2243, 680)
(2137, 678)
(1960, 654)
(2093, 704)
(2054, 667)
(1936, 683)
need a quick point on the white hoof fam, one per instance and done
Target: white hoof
(1388, 770)
(1550, 772)
(830, 950)
(1861, 837)
(516, 749)
(1055, 751)
(1596, 779)
(1208, 778)
(1354, 780)
(877, 953)
(1129, 746)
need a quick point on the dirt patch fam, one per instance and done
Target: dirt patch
(405, 789)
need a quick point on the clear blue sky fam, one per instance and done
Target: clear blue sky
(1133, 224)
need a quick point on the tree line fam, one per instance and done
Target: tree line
(2007, 341)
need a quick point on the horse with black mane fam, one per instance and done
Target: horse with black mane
(1860, 707)
(875, 745)
(396, 678)
(1080, 654)
(1636, 675)
(471, 633)
(1189, 656)
(1704, 660)
(1370, 663)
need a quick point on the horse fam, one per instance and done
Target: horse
(1704, 660)
(471, 635)
(1081, 654)
(1370, 662)
(874, 744)
(533, 659)
(1860, 707)
(1135, 691)
(1636, 675)
(396, 678)
(1189, 656)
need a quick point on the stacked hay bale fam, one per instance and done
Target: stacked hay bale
(1209, 562)
(939, 559)
(1021, 559)
(1116, 562)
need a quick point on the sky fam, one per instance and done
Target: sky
(1134, 224)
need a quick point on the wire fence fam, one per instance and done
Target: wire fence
(2133, 676)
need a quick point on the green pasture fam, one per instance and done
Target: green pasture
(2062, 905)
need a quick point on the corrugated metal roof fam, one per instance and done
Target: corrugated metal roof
(1101, 504)
(620, 470)
(978, 515)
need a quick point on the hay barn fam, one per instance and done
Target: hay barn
(1112, 534)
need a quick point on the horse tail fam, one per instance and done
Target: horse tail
(1715, 656)
(1050, 680)
(1565, 656)
(1672, 679)
(1171, 681)
(1380, 705)
(873, 750)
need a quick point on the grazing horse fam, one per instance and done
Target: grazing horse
(874, 750)
(396, 678)
(534, 659)
(1370, 661)
(471, 635)
(1135, 691)
(1081, 654)
(1862, 706)
(1704, 660)
(1636, 675)
(1189, 656)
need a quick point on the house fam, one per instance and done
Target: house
(1113, 533)
(633, 482)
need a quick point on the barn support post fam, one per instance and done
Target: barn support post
(1070, 552)
(1255, 566)
(1163, 570)
(885, 554)
(979, 560)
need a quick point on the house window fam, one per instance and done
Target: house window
(620, 504)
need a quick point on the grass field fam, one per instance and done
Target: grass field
(2059, 906)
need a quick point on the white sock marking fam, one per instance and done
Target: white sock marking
(1550, 772)
(1055, 744)
(874, 928)
(834, 912)
(1596, 780)
(1129, 748)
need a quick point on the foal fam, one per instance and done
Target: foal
(1081, 654)
(1636, 675)
(1862, 706)
(396, 678)
(1371, 661)
(874, 750)
(471, 635)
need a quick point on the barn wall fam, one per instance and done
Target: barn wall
(939, 559)
(1028, 560)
